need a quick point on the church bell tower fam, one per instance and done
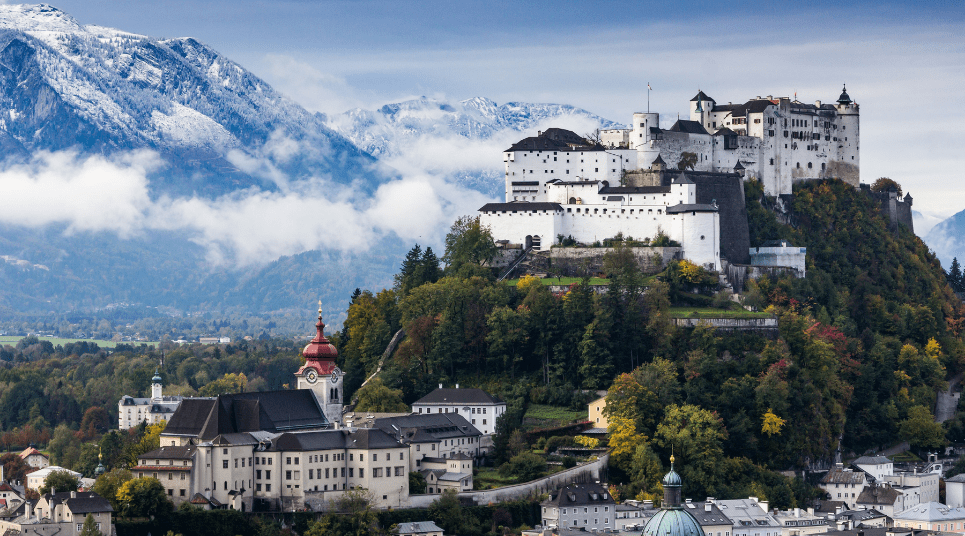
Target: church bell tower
(320, 374)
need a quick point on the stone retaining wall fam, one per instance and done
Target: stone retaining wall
(739, 324)
(588, 472)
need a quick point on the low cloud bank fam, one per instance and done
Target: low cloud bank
(101, 194)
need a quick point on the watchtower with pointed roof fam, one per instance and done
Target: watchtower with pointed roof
(320, 374)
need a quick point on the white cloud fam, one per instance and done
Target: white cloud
(246, 227)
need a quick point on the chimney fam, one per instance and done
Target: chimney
(707, 507)
(797, 512)
(28, 509)
(764, 505)
(440, 386)
(457, 386)
(817, 103)
(73, 494)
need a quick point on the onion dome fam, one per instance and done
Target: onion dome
(156, 378)
(320, 347)
(673, 519)
(100, 465)
(844, 98)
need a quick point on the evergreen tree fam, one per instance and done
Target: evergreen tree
(955, 277)
(90, 527)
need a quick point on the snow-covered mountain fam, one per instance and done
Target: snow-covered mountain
(257, 205)
(66, 85)
(462, 140)
(947, 239)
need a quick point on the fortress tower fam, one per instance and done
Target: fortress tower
(320, 374)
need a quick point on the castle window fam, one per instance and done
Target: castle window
(809, 165)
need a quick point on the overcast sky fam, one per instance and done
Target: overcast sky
(903, 62)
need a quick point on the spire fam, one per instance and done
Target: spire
(100, 464)
(320, 347)
(699, 107)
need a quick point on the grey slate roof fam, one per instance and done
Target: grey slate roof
(714, 517)
(508, 207)
(700, 96)
(470, 395)
(85, 502)
(634, 190)
(579, 495)
(169, 453)
(276, 411)
(841, 476)
(690, 127)
(872, 460)
(883, 495)
(555, 139)
(682, 207)
(362, 438)
(957, 478)
(418, 527)
(429, 427)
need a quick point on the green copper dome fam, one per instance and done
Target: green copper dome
(673, 519)
(157, 377)
(673, 522)
(672, 479)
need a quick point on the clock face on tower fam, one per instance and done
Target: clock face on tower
(335, 375)
(312, 376)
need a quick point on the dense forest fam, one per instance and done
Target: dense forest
(865, 342)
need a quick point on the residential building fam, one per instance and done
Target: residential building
(844, 484)
(631, 516)
(9, 496)
(915, 487)
(60, 514)
(585, 506)
(419, 528)
(479, 408)
(798, 522)
(172, 466)
(882, 498)
(932, 516)
(710, 517)
(595, 413)
(870, 518)
(35, 458)
(35, 480)
(435, 435)
(877, 466)
(955, 490)
(749, 517)
(452, 474)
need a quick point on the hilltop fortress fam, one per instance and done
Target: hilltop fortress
(685, 182)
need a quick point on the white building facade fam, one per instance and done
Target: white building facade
(132, 411)
(591, 211)
(777, 140)
(478, 407)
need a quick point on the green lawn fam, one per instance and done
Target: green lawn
(554, 413)
(14, 339)
(709, 312)
(489, 477)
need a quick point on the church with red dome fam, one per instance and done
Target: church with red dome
(320, 374)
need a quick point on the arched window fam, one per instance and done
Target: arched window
(572, 200)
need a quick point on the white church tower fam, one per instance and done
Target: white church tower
(320, 374)
(156, 387)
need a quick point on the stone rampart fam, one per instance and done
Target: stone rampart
(739, 274)
(730, 324)
(588, 472)
(573, 262)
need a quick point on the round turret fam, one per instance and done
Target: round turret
(156, 378)
(672, 484)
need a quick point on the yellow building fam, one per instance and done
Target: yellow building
(596, 412)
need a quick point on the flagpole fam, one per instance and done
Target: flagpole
(648, 97)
